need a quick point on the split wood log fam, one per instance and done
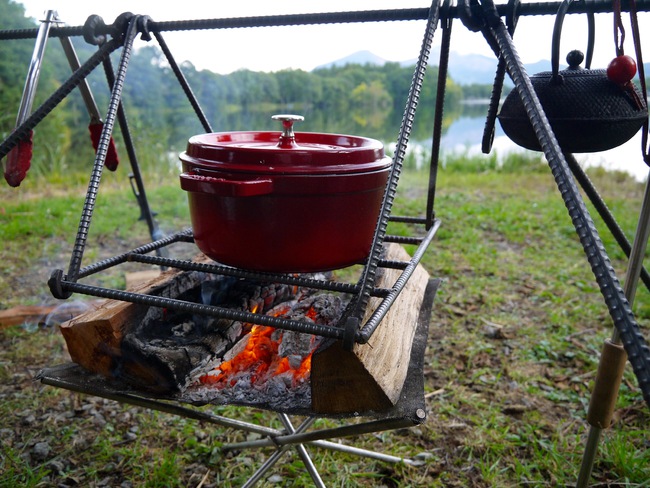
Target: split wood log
(23, 314)
(140, 277)
(94, 338)
(371, 376)
(368, 378)
(156, 350)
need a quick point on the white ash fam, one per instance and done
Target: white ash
(280, 393)
(284, 391)
(297, 344)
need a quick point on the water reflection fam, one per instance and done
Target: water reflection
(628, 158)
(462, 134)
(464, 137)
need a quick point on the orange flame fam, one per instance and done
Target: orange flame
(260, 359)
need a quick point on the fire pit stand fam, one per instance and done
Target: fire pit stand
(484, 17)
(410, 410)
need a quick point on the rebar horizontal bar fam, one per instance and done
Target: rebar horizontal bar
(365, 16)
(182, 236)
(250, 275)
(407, 220)
(200, 309)
(383, 263)
(403, 239)
(139, 255)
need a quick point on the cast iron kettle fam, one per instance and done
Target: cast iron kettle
(587, 111)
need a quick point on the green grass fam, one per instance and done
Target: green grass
(514, 343)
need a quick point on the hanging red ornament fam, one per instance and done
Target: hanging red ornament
(621, 69)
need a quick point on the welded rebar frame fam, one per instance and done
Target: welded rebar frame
(350, 328)
(482, 16)
(477, 16)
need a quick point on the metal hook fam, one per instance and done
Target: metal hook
(557, 32)
(122, 23)
(470, 15)
(93, 24)
(143, 26)
(445, 12)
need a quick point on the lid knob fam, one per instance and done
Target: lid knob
(288, 138)
(574, 58)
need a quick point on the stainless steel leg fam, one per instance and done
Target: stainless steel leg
(380, 456)
(302, 452)
(318, 435)
(275, 457)
(629, 287)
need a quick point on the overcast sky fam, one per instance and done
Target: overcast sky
(305, 47)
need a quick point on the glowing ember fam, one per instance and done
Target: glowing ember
(267, 355)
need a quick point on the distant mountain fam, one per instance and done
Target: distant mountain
(360, 57)
(467, 69)
(464, 69)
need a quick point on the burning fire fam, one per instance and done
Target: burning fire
(263, 357)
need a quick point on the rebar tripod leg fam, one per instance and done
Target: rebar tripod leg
(613, 358)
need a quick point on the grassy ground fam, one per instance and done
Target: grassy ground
(514, 343)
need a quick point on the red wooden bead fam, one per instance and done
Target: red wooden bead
(621, 69)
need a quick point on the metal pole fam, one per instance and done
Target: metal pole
(31, 81)
(302, 452)
(19, 159)
(629, 286)
(308, 437)
(275, 457)
(357, 451)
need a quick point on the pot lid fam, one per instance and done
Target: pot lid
(285, 151)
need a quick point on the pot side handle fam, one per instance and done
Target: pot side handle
(225, 187)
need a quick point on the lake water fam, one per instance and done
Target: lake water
(464, 137)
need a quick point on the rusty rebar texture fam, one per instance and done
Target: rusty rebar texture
(102, 147)
(369, 273)
(365, 16)
(613, 294)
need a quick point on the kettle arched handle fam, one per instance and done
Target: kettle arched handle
(557, 31)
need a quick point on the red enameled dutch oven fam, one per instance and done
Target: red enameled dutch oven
(284, 201)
